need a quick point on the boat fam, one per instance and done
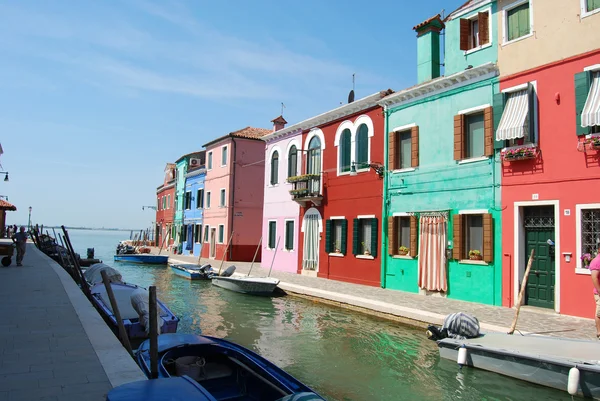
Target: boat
(225, 370)
(565, 364)
(247, 284)
(128, 253)
(193, 272)
(132, 301)
(172, 389)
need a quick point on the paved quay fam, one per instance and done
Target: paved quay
(54, 346)
(416, 309)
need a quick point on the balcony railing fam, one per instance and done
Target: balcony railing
(306, 188)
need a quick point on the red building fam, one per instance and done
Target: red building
(165, 207)
(340, 192)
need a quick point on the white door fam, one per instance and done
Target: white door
(312, 227)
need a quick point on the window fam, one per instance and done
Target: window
(274, 168)
(184, 233)
(587, 102)
(404, 147)
(402, 235)
(404, 142)
(314, 156)
(362, 147)
(364, 236)
(206, 230)
(336, 232)
(164, 201)
(198, 236)
(293, 162)
(344, 158)
(208, 200)
(515, 115)
(589, 7)
(473, 133)
(210, 161)
(475, 31)
(158, 202)
(168, 201)
(473, 236)
(222, 199)
(289, 235)
(221, 233)
(224, 156)
(517, 20)
(200, 199)
(187, 202)
(588, 235)
(272, 235)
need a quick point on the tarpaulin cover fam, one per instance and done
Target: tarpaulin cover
(93, 274)
(140, 300)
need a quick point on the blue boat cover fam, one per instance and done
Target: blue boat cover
(173, 389)
(170, 340)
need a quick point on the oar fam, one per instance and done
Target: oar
(255, 253)
(225, 253)
(274, 254)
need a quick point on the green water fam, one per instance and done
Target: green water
(341, 354)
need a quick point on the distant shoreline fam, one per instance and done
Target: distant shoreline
(93, 228)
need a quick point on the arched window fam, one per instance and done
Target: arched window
(345, 151)
(293, 162)
(314, 156)
(274, 168)
(362, 146)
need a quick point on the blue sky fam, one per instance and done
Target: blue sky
(96, 96)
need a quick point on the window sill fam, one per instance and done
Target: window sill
(476, 49)
(403, 257)
(580, 270)
(517, 39)
(472, 262)
(337, 255)
(364, 257)
(474, 160)
(272, 185)
(288, 250)
(588, 13)
(404, 170)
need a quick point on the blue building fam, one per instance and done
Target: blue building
(193, 207)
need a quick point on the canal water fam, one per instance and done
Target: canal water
(343, 355)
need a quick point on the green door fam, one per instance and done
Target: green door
(539, 228)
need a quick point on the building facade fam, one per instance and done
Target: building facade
(165, 211)
(234, 193)
(182, 165)
(550, 103)
(442, 227)
(193, 207)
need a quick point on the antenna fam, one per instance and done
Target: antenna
(282, 107)
(351, 94)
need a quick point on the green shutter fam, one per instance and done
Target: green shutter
(345, 151)
(344, 239)
(289, 235)
(272, 227)
(498, 103)
(531, 115)
(362, 146)
(374, 245)
(355, 236)
(583, 81)
(518, 21)
(592, 5)
(328, 236)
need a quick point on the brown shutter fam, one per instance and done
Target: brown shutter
(392, 151)
(413, 237)
(414, 147)
(484, 28)
(488, 238)
(457, 249)
(458, 136)
(392, 236)
(465, 34)
(488, 129)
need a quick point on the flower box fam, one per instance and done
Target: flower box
(520, 153)
(297, 192)
(476, 257)
(304, 177)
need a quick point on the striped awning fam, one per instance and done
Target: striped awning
(514, 122)
(591, 111)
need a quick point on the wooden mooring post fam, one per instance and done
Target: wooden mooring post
(115, 309)
(522, 293)
(153, 333)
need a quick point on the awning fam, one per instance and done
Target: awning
(591, 111)
(514, 122)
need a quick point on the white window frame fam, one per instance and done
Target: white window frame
(505, 11)
(353, 127)
(220, 226)
(285, 235)
(223, 198)
(579, 269)
(584, 12)
(209, 161)
(269, 232)
(224, 150)
(268, 170)
(490, 36)
(190, 202)
(207, 200)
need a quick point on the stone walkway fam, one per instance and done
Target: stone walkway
(416, 309)
(54, 346)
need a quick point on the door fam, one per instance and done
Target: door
(310, 251)
(213, 242)
(539, 235)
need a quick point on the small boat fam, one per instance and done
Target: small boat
(172, 389)
(133, 306)
(247, 284)
(128, 253)
(226, 371)
(193, 272)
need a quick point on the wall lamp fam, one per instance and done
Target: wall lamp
(377, 167)
(6, 176)
(149, 207)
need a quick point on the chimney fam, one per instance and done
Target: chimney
(428, 48)
(278, 123)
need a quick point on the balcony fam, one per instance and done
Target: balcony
(306, 188)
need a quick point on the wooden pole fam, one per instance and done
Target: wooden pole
(115, 308)
(161, 245)
(225, 253)
(84, 287)
(522, 293)
(274, 254)
(62, 261)
(153, 334)
(255, 253)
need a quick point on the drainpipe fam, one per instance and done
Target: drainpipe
(232, 191)
(384, 219)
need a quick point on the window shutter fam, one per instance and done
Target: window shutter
(414, 147)
(272, 228)
(488, 238)
(498, 104)
(374, 237)
(344, 240)
(583, 82)
(465, 34)
(531, 115)
(392, 150)
(459, 146)
(457, 237)
(392, 235)
(484, 28)
(413, 237)
(355, 226)
(488, 129)
(327, 236)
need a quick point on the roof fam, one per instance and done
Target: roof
(435, 20)
(4, 205)
(246, 133)
(279, 119)
(467, 6)
(190, 155)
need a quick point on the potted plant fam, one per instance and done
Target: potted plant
(338, 248)
(366, 250)
(474, 254)
(403, 251)
(520, 153)
(593, 142)
(586, 259)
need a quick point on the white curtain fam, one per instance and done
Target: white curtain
(432, 253)
(310, 255)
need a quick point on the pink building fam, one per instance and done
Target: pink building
(280, 212)
(233, 194)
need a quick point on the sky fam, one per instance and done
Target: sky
(97, 96)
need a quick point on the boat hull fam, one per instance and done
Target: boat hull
(247, 285)
(190, 274)
(143, 258)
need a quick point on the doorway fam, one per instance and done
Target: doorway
(213, 243)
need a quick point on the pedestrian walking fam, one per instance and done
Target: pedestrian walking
(595, 270)
(20, 239)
